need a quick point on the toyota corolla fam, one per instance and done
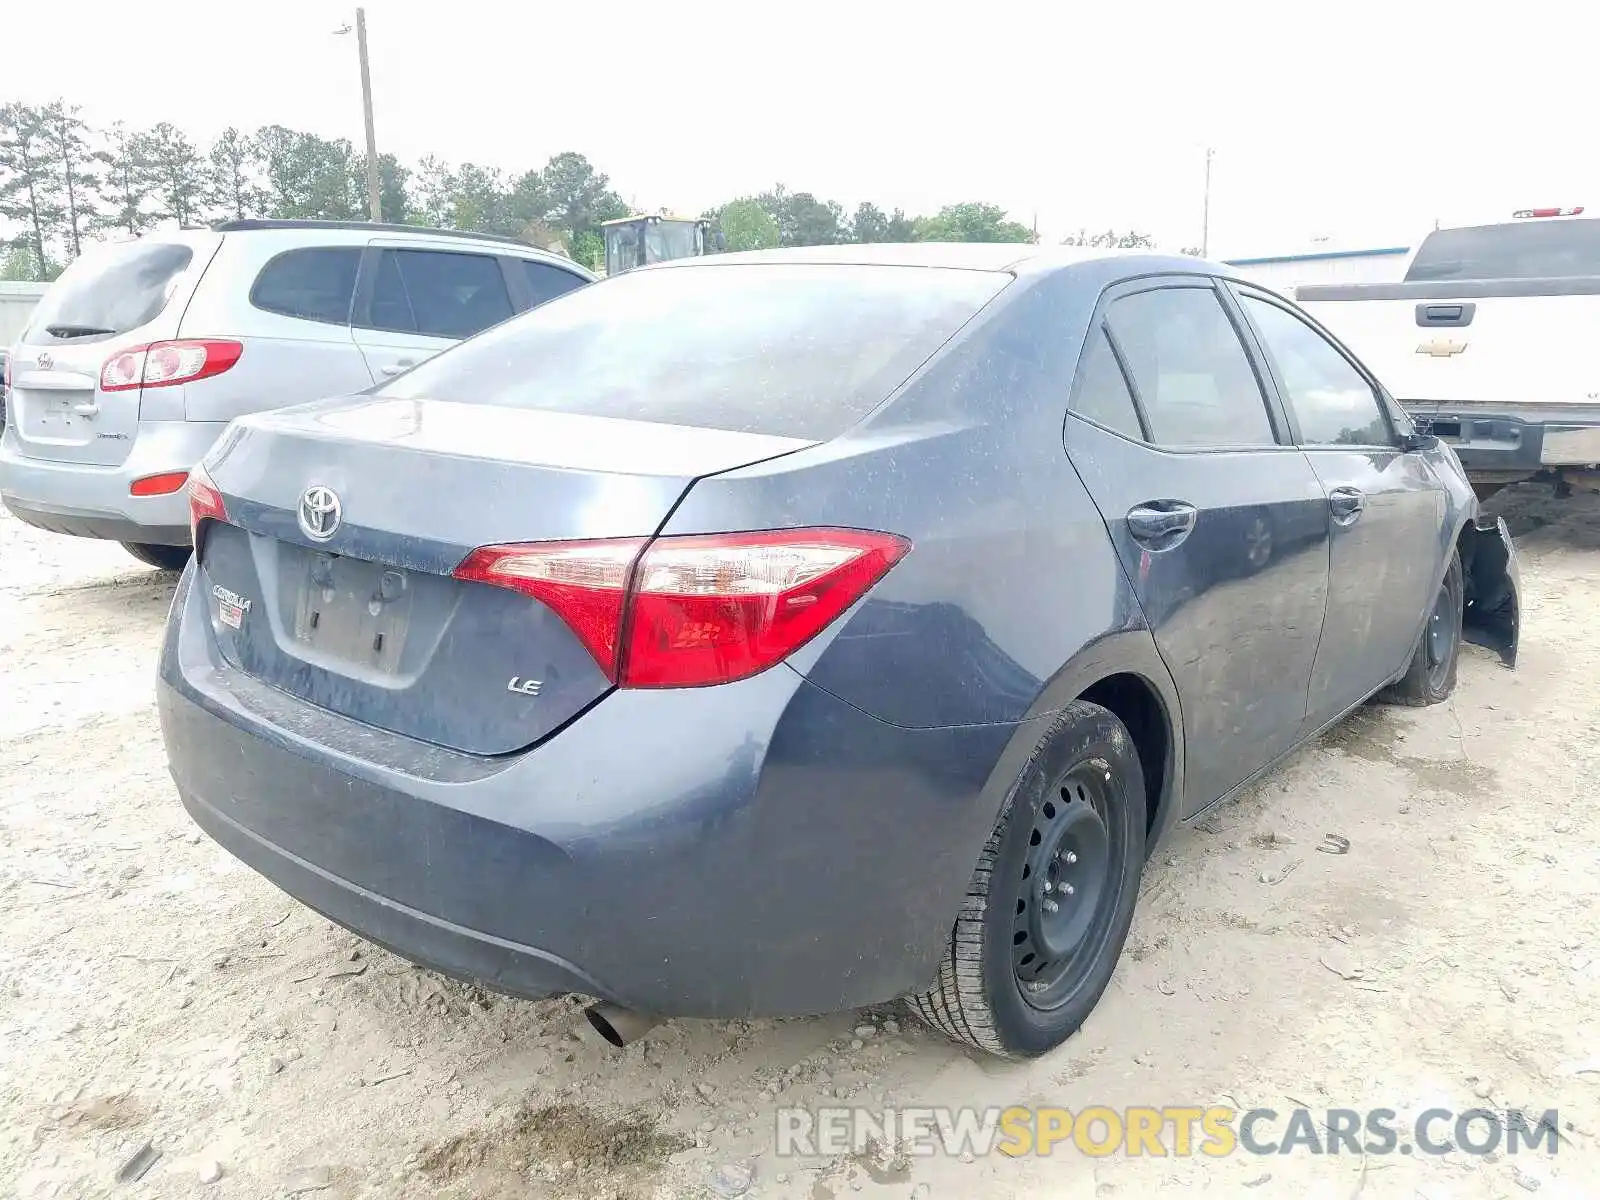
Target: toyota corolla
(788, 632)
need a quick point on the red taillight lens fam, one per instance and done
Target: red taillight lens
(159, 485)
(205, 503)
(585, 583)
(694, 611)
(161, 364)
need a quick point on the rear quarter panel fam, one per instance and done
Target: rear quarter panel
(286, 360)
(1012, 601)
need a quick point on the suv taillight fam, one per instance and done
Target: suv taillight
(161, 364)
(694, 611)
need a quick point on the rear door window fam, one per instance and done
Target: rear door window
(314, 283)
(546, 282)
(1102, 394)
(110, 290)
(791, 349)
(438, 293)
(1332, 402)
(1190, 369)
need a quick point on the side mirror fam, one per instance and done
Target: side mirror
(1413, 443)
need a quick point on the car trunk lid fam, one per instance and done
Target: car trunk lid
(361, 614)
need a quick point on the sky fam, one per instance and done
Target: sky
(1348, 125)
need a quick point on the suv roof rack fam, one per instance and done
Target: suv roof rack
(249, 223)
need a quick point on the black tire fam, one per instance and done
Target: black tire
(984, 995)
(163, 558)
(1431, 677)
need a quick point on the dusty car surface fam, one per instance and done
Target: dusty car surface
(782, 633)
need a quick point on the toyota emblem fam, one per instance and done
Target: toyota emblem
(320, 513)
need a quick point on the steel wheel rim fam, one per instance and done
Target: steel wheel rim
(1439, 638)
(1065, 886)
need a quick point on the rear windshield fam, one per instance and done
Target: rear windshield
(1534, 249)
(793, 350)
(108, 290)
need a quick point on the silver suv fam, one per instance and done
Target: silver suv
(143, 351)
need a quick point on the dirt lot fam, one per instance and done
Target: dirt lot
(153, 991)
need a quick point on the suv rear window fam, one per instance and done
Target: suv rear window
(110, 290)
(1535, 249)
(795, 350)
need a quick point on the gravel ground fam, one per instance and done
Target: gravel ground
(154, 992)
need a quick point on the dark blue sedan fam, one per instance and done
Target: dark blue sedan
(787, 632)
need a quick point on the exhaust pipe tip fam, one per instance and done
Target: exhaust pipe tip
(617, 1025)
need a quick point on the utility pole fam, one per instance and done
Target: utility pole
(1205, 211)
(374, 199)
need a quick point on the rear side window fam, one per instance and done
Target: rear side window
(1190, 369)
(1537, 249)
(546, 282)
(1332, 403)
(111, 290)
(437, 293)
(315, 283)
(791, 349)
(1102, 395)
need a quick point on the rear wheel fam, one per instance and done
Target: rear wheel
(163, 558)
(1431, 677)
(1050, 902)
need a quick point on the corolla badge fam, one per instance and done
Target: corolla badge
(320, 512)
(231, 607)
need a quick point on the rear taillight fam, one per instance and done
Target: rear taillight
(162, 364)
(159, 485)
(205, 503)
(694, 611)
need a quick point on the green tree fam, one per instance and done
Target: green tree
(576, 197)
(747, 225)
(971, 222)
(393, 179)
(176, 176)
(429, 197)
(126, 188)
(28, 192)
(17, 265)
(802, 219)
(901, 228)
(236, 172)
(589, 248)
(869, 224)
(477, 201)
(309, 177)
(73, 168)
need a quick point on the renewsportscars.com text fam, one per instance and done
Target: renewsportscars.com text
(1178, 1131)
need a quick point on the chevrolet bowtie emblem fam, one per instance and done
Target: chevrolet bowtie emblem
(1441, 348)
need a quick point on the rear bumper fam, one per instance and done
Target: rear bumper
(93, 501)
(1513, 437)
(759, 848)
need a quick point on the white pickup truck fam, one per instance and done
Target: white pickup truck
(1491, 343)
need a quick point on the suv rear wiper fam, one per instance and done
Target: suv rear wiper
(72, 331)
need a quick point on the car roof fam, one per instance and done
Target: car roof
(1010, 257)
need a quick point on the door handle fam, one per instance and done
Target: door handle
(1161, 524)
(86, 408)
(399, 365)
(1346, 504)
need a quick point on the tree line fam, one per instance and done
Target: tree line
(63, 182)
